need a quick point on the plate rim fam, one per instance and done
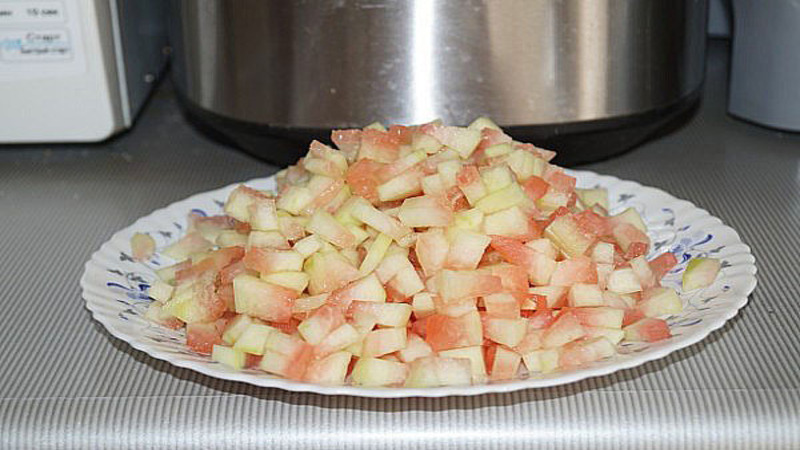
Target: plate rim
(269, 381)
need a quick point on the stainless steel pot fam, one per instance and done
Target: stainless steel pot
(543, 68)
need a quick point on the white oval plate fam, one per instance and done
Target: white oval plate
(114, 287)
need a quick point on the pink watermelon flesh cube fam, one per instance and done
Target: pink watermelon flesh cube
(514, 222)
(263, 215)
(287, 344)
(470, 182)
(212, 226)
(402, 165)
(601, 316)
(193, 242)
(603, 253)
(700, 273)
(433, 371)
(423, 305)
(142, 247)
(583, 295)
(615, 335)
(575, 270)
(503, 305)
(338, 339)
(363, 178)
(378, 145)
(663, 264)
(324, 320)
(155, 312)
(531, 341)
(660, 301)
(378, 372)
(475, 357)
(565, 233)
(196, 301)
(632, 315)
(631, 240)
(416, 348)
(462, 140)
(431, 249)
(603, 274)
(543, 360)
(405, 284)
(455, 308)
(286, 355)
(454, 371)
(445, 332)
(513, 278)
(324, 225)
(303, 306)
(402, 186)
(348, 141)
(275, 363)
(267, 260)
(367, 289)
(555, 295)
(537, 264)
(541, 319)
(239, 201)
(619, 301)
(566, 328)
(559, 180)
(542, 269)
(456, 285)
(583, 352)
(647, 330)
(393, 262)
(509, 332)
(263, 300)
(202, 336)
(503, 363)
(328, 271)
(643, 272)
(330, 370)
(432, 185)
(324, 190)
(424, 211)
(211, 263)
(544, 246)
(466, 249)
(384, 341)
(292, 367)
(322, 166)
(385, 314)
(318, 150)
(269, 239)
(292, 228)
(624, 281)
(378, 220)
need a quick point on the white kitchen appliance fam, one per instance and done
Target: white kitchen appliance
(76, 70)
(765, 63)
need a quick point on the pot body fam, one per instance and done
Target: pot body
(541, 68)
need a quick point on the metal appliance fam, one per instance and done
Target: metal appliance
(589, 78)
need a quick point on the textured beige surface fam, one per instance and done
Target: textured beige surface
(66, 383)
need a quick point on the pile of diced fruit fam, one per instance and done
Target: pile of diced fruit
(416, 256)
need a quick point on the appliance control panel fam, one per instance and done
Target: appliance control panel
(40, 39)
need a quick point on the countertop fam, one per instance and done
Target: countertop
(65, 382)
